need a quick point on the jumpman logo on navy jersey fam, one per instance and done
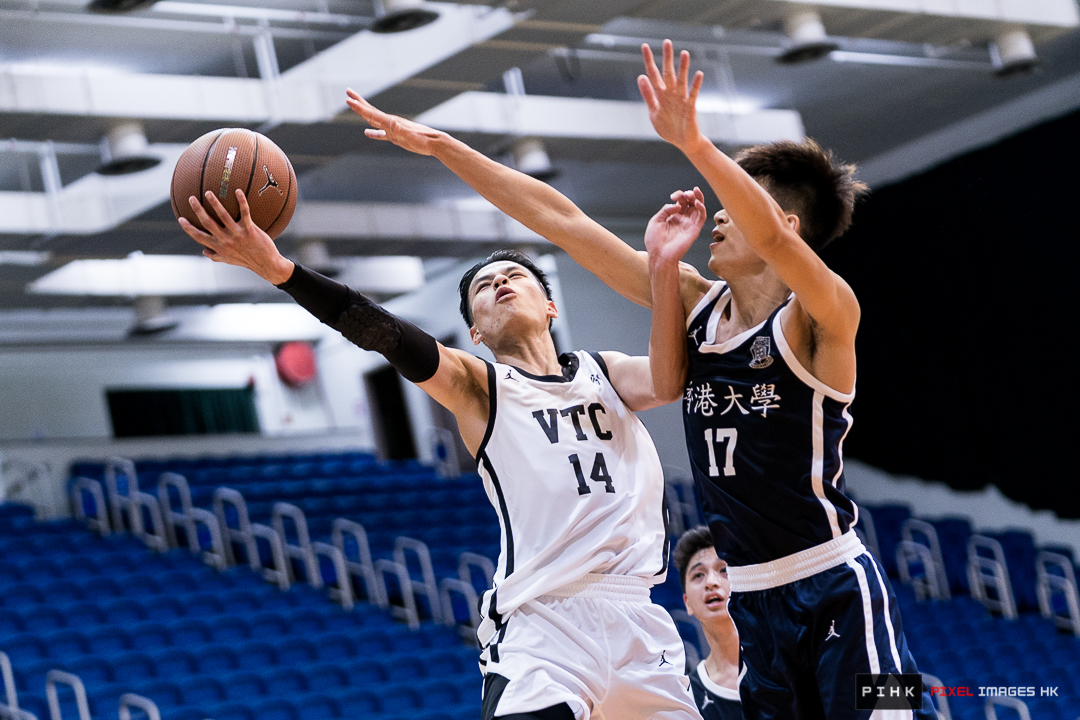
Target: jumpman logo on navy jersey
(708, 701)
(832, 632)
(663, 660)
(693, 335)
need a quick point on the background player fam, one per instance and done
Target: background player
(569, 629)
(704, 580)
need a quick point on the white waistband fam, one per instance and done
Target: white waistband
(626, 588)
(763, 576)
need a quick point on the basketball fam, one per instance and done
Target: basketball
(224, 160)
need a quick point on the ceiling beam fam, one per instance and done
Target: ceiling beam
(588, 118)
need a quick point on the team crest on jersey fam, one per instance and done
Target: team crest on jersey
(760, 349)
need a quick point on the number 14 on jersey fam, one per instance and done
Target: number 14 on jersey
(727, 436)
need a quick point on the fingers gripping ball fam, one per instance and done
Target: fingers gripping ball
(224, 160)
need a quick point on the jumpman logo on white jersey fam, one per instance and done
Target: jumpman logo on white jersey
(832, 632)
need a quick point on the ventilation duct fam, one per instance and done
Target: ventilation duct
(395, 16)
(806, 38)
(124, 150)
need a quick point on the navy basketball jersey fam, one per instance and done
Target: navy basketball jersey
(765, 440)
(715, 702)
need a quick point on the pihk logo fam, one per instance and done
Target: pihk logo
(888, 691)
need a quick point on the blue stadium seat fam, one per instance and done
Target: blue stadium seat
(243, 686)
(256, 655)
(275, 709)
(401, 697)
(887, 522)
(326, 676)
(201, 690)
(173, 662)
(42, 618)
(131, 667)
(230, 711)
(227, 628)
(359, 703)
(215, 659)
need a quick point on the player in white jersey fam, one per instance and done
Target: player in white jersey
(569, 629)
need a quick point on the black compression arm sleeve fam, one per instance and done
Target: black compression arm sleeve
(413, 352)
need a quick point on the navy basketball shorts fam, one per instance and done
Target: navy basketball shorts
(808, 624)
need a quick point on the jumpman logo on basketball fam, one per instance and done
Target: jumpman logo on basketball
(832, 632)
(663, 660)
(270, 181)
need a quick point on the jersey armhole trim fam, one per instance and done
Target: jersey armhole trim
(711, 294)
(603, 365)
(493, 404)
(802, 373)
(719, 690)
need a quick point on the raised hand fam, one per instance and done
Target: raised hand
(411, 136)
(676, 226)
(671, 97)
(235, 242)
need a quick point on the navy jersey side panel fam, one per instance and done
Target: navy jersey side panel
(765, 442)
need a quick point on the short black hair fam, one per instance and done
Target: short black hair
(498, 256)
(690, 544)
(807, 180)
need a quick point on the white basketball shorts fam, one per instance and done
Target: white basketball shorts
(599, 645)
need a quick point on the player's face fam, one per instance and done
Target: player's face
(506, 298)
(729, 253)
(707, 587)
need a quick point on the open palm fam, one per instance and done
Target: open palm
(671, 97)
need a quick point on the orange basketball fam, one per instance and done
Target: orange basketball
(224, 160)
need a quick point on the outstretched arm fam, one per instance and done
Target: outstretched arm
(455, 379)
(535, 204)
(773, 234)
(647, 382)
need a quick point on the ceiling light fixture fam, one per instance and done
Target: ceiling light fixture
(1013, 53)
(150, 316)
(807, 39)
(124, 151)
(395, 16)
(530, 157)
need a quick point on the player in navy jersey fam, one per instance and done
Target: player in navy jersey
(771, 375)
(569, 629)
(706, 591)
(768, 359)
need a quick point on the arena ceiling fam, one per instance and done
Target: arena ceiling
(903, 89)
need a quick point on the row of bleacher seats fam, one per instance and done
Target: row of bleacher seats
(255, 652)
(429, 509)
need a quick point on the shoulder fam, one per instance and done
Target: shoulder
(692, 286)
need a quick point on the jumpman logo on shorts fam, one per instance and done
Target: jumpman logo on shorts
(832, 632)
(663, 660)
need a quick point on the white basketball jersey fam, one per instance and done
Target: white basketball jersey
(575, 480)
